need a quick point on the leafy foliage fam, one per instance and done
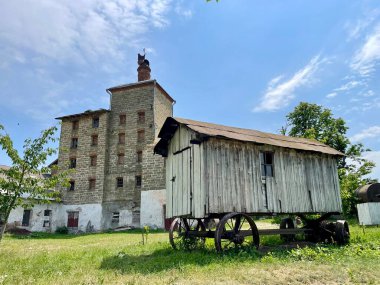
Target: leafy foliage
(25, 183)
(312, 121)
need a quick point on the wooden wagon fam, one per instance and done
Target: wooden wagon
(232, 174)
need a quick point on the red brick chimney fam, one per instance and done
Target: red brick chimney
(143, 71)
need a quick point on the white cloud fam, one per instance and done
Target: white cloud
(331, 95)
(368, 56)
(78, 30)
(375, 157)
(355, 30)
(371, 132)
(349, 85)
(280, 93)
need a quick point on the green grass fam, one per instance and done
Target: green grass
(120, 258)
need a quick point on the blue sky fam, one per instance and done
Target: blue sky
(239, 63)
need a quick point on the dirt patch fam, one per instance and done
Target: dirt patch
(17, 231)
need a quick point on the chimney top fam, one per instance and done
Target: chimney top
(143, 71)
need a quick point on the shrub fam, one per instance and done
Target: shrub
(62, 230)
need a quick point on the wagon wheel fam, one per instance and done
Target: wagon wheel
(287, 223)
(179, 236)
(236, 230)
(342, 232)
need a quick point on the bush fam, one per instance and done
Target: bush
(62, 230)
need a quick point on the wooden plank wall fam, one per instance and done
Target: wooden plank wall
(220, 176)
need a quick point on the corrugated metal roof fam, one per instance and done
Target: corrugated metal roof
(247, 135)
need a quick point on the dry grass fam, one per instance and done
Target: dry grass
(119, 258)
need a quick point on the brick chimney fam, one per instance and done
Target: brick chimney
(143, 71)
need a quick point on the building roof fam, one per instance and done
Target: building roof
(246, 135)
(139, 84)
(85, 113)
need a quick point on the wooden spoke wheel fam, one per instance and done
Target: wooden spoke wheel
(342, 232)
(236, 230)
(287, 223)
(183, 233)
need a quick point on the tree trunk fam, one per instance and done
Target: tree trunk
(2, 228)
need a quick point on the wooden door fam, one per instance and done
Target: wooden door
(72, 219)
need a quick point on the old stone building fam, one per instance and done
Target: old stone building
(116, 180)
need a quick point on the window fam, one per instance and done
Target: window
(115, 218)
(139, 156)
(91, 183)
(95, 122)
(75, 125)
(73, 162)
(122, 119)
(72, 219)
(120, 158)
(74, 143)
(122, 138)
(93, 159)
(46, 224)
(47, 213)
(94, 140)
(266, 159)
(140, 135)
(26, 218)
(138, 181)
(141, 117)
(119, 182)
(72, 185)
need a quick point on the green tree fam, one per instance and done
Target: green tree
(24, 183)
(312, 121)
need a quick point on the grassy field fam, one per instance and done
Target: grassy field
(120, 258)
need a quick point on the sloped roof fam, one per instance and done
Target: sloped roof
(247, 135)
(85, 113)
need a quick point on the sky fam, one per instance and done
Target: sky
(240, 63)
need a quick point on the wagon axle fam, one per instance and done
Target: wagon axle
(238, 230)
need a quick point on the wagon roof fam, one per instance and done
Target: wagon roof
(247, 135)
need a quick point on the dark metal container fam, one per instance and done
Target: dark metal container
(369, 193)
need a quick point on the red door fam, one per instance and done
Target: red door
(72, 219)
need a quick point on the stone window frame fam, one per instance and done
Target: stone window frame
(122, 119)
(91, 183)
(74, 143)
(141, 135)
(138, 181)
(141, 117)
(94, 139)
(95, 122)
(120, 158)
(115, 218)
(93, 160)
(73, 162)
(121, 138)
(75, 125)
(119, 182)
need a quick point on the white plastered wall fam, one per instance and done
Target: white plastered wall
(152, 203)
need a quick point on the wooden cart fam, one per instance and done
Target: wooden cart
(229, 174)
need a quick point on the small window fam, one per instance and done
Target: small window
(138, 181)
(122, 138)
(46, 224)
(141, 117)
(119, 182)
(47, 213)
(93, 159)
(74, 143)
(75, 125)
(115, 218)
(95, 122)
(140, 135)
(72, 185)
(26, 218)
(120, 158)
(266, 159)
(73, 163)
(94, 140)
(139, 155)
(122, 119)
(91, 183)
